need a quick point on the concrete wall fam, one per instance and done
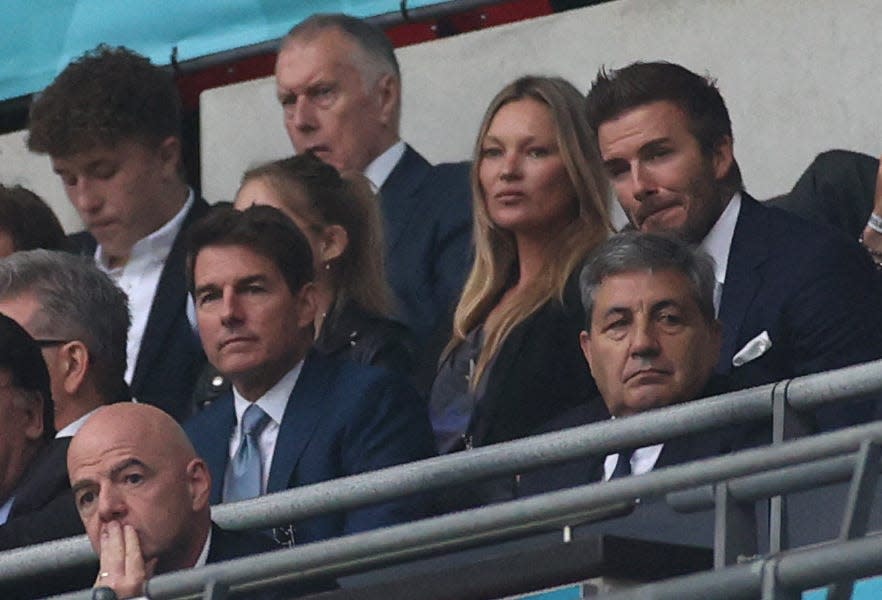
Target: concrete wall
(799, 76)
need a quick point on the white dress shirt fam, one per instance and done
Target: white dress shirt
(139, 277)
(718, 243)
(71, 429)
(273, 403)
(381, 167)
(642, 461)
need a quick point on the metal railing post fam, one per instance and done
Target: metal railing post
(787, 424)
(857, 509)
(734, 528)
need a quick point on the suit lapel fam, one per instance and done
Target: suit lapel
(171, 292)
(217, 454)
(306, 405)
(397, 192)
(743, 276)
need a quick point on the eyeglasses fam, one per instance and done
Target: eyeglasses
(48, 343)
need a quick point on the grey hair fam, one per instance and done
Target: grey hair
(634, 251)
(378, 54)
(77, 302)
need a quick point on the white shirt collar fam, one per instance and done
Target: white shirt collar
(381, 167)
(274, 401)
(4, 510)
(718, 241)
(642, 461)
(158, 244)
(203, 556)
(71, 429)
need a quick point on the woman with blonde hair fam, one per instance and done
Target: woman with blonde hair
(539, 191)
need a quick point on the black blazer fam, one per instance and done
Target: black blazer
(812, 289)
(539, 373)
(837, 189)
(43, 511)
(44, 508)
(171, 356)
(676, 451)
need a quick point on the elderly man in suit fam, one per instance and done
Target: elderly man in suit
(794, 297)
(111, 125)
(142, 493)
(339, 84)
(294, 417)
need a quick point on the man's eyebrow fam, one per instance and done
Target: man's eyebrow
(129, 462)
(615, 311)
(82, 484)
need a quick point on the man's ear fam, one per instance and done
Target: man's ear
(585, 343)
(169, 152)
(306, 308)
(723, 157)
(33, 411)
(72, 365)
(388, 94)
(334, 242)
(199, 483)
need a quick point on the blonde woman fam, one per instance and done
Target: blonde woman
(539, 193)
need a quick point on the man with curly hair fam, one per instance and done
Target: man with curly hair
(111, 125)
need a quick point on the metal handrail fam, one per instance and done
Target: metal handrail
(517, 456)
(412, 540)
(786, 573)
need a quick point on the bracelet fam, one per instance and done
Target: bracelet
(875, 222)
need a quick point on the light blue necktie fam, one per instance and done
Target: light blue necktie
(247, 472)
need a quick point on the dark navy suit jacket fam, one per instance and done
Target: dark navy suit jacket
(427, 219)
(815, 293)
(341, 419)
(171, 357)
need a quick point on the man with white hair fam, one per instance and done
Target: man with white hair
(339, 84)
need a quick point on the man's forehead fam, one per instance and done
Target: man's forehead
(641, 286)
(259, 265)
(643, 123)
(109, 151)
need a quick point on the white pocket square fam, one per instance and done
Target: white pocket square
(753, 349)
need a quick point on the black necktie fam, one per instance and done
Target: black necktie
(623, 465)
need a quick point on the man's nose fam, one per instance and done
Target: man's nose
(642, 183)
(231, 308)
(111, 505)
(85, 196)
(302, 115)
(644, 340)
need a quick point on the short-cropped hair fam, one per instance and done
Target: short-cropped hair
(616, 91)
(632, 251)
(106, 96)
(264, 230)
(77, 302)
(29, 221)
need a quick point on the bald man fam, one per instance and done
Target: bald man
(142, 493)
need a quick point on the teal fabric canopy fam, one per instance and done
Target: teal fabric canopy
(41, 36)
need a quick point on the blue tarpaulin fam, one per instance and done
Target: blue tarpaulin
(41, 36)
